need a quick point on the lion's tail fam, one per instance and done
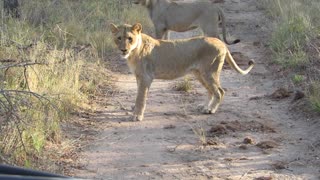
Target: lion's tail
(224, 29)
(234, 65)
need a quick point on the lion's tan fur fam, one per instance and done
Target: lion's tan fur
(183, 16)
(150, 59)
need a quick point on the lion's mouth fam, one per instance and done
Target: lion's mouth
(124, 55)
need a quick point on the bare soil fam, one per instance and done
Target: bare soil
(257, 133)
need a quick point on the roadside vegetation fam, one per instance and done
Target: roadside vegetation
(184, 85)
(53, 61)
(295, 43)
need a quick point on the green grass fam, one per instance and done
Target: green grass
(288, 41)
(62, 79)
(296, 29)
(297, 78)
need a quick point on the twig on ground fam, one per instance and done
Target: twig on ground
(21, 64)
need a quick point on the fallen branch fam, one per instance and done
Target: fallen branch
(38, 96)
(7, 60)
(22, 64)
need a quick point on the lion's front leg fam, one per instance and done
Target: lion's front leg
(143, 88)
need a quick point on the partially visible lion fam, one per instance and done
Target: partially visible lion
(183, 16)
(150, 59)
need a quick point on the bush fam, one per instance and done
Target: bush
(52, 63)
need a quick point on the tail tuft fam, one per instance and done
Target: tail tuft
(251, 62)
(236, 41)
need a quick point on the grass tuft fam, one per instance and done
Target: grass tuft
(185, 85)
(297, 78)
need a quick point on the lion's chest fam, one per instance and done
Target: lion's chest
(132, 67)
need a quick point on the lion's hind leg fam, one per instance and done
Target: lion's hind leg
(204, 108)
(217, 92)
(210, 79)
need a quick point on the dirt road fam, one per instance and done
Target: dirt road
(252, 135)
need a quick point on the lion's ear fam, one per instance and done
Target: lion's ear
(137, 27)
(114, 28)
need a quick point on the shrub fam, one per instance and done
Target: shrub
(52, 62)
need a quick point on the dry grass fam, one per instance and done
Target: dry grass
(52, 63)
(185, 85)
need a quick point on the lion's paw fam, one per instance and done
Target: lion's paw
(204, 109)
(137, 118)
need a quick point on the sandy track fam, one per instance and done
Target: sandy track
(164, 145)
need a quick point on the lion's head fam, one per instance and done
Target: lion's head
(127, 37)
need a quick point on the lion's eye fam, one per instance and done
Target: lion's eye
(130, 39)
(119, 38)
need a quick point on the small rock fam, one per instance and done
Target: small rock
(218, 130)
(217, 1)
(267, 145)
(298, 95)
(170, 126)
(257, 43)
(234, 94)
(211, 142)
(279, 165)
(264, 178)
(248, 140)
(244, 147)
(228, 159)
(280, 93)
(234, 126)
(255, 98)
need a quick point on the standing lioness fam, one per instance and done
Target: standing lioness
(183, 16)
(150, 59)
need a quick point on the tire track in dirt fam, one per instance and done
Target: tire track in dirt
(164, 145)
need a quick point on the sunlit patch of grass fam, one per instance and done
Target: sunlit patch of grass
(292, 59)
(294, 27)
(297, 78)
(200, 132)
(185, 85)
(288, 41)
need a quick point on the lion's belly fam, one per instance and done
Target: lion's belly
(175, 59)
(169, 72)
